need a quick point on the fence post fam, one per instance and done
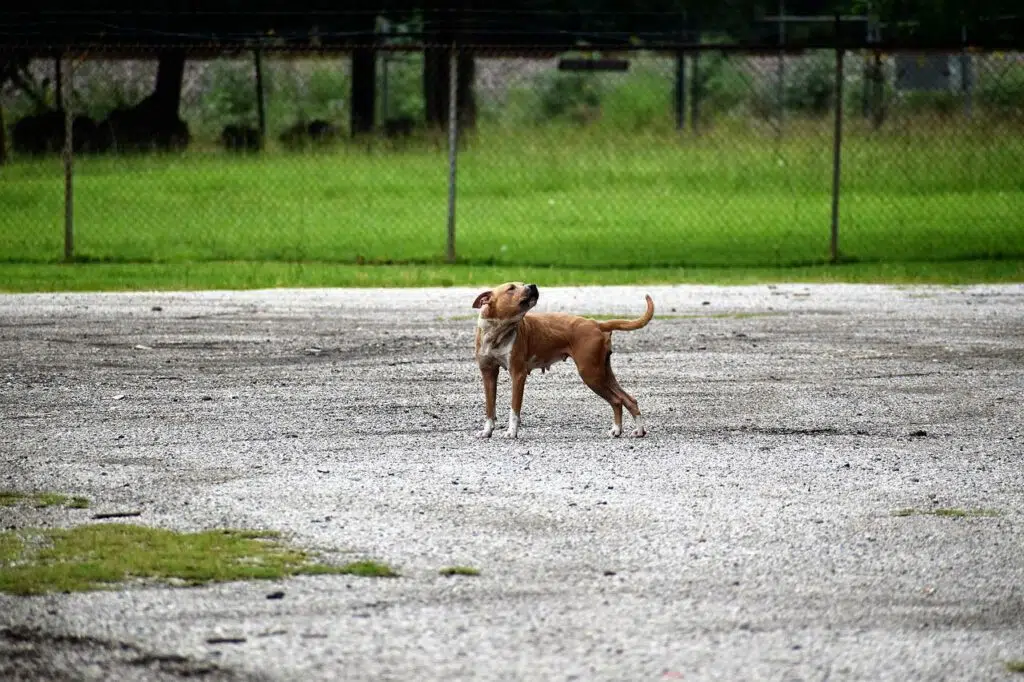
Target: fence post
(837, 145)
(69, 156)
(453, 145)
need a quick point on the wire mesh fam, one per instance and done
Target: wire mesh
(679, 159)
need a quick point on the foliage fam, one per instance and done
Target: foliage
(573, 97)
(404, 86)
(721, 83)
(943, 103)
(810, 86)
(230, 89)
(1004, 96)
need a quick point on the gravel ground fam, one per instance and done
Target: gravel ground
(751, 535)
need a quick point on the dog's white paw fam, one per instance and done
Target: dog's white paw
(484, 433)
(513, 425)
(616, 431)
(639, 431)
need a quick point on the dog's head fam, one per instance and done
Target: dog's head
(510, 301)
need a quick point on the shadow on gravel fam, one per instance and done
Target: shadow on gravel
(32, 654)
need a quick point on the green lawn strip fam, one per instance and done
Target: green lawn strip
(99, 556)
(238, 275)
(539, 197)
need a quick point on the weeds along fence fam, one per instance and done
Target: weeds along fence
(702, 158)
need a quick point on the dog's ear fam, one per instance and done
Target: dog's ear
(482, 299)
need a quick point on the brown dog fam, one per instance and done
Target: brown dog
(506, 336)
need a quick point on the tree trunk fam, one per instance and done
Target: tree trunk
(166, 97)
(435, 88)
(3, 137)
(466, 93)
(364, 90)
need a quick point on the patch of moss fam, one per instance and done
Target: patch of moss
(949, 512)
(97, 556)
(459, 570)
(11, 547)
(368, 569)
(10, 498)
(49, 499)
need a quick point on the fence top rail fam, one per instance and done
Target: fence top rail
(226, 50)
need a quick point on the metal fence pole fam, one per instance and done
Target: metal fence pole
(69, 159)
(453, 146)
(837, 145)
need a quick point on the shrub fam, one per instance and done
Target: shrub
(1003, 96)
(722, 83)
(810, 84)
(405, 88)
(638, 100)
(943, 103)
(230, 93)
(326, 91)
(568, 96)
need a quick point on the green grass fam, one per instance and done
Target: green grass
(460, 570)
(98, 556)
(940, 204)
(10, 498)
(30, 277)
(947, 512)
(1015, 666)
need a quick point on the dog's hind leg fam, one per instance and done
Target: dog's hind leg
(597, 376)
(629, 401)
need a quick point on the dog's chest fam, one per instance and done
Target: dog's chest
(496, 349)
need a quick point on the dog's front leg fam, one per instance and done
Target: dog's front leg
(518, 386)
(490, 377)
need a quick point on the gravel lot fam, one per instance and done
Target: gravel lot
(751, 535)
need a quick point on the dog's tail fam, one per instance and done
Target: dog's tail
(629, 325)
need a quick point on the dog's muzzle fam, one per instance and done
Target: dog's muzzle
(532, 295)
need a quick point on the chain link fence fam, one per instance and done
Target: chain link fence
(709, 158)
